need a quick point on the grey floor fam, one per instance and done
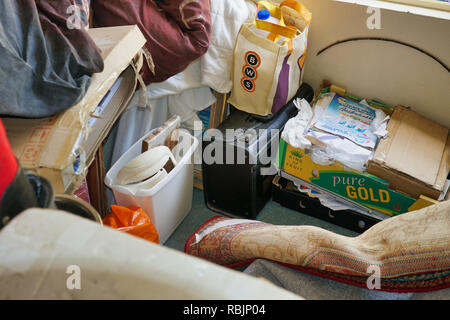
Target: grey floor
(272, 213)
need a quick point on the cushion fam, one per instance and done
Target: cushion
(408, 253)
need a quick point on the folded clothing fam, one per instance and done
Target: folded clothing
(46, 67)
(177, 31)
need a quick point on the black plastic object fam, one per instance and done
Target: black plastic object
(285, 194)
(18, 196)
(29, 190)
(77, 206)
(43, 191)
(240, 190)
(305, 91)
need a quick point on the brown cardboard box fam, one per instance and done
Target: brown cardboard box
(415, 157)
(60, 148)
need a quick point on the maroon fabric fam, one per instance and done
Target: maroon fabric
(53, 17)
(177, 31)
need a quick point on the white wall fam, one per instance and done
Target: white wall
(389, 72)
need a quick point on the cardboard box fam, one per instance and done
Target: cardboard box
(407, 172)
(415, 157)
(60, 148)
(346, 184)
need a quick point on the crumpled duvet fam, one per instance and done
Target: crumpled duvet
(227, 19)
(45, 67)
(213, 69)
(210, 71)
(177, 31)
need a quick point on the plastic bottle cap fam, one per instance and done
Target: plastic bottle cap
(263, 14)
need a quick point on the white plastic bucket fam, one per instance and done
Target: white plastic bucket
(170, 200)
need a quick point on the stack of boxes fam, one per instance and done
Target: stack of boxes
(407, 171)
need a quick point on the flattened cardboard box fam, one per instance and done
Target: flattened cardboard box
(415, 157)
(49, 146)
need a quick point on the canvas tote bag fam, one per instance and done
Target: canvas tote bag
(267, 71)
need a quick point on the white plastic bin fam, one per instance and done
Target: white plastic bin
(170, 200)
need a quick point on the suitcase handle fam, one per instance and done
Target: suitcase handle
(304, 92)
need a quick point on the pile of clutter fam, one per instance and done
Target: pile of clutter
(363, 156)
(156, 175)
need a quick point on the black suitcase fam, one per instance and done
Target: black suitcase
(240, 190)
(286, 194)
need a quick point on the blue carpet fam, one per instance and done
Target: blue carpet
(272, 213)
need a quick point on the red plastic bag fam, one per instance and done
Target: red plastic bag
(132, 220)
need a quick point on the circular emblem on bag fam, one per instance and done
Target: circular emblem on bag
(249, 72)
(248, 85)
(252, 59)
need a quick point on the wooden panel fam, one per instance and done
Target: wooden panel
(217, 116)
(94, 179)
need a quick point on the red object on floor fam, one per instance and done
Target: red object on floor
(8, 162)
(83, 192)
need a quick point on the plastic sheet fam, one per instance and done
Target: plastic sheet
(295, 128)
(132, 220)
(338, 149)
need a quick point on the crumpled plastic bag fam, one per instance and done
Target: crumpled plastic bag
(294, 129)
(132, 220)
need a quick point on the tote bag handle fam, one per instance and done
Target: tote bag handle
(276, 30)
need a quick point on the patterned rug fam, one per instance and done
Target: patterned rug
(406, 253)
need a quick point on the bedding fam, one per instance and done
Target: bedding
(177, 31)
(187, 92)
